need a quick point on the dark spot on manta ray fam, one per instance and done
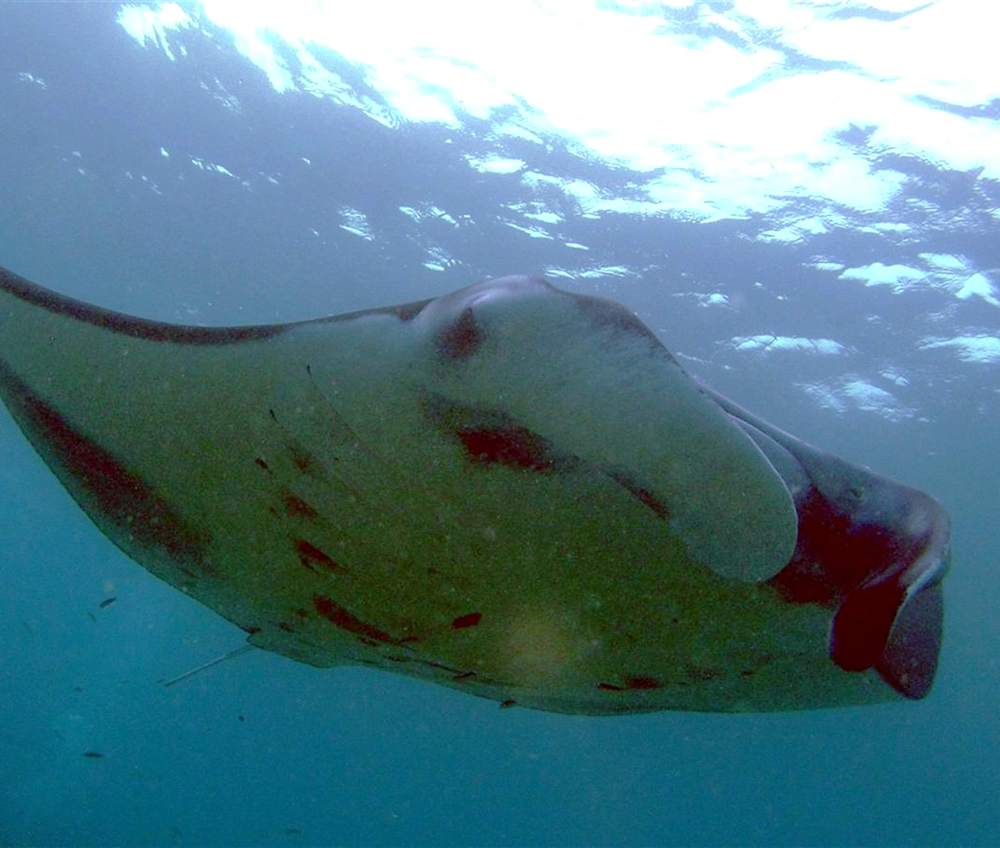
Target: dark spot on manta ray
(643, 683)
(608, 315)
(640, 683)
(470, 619)
(494, 437)
(303, 461)
(409, 311)
(344, 619)
(512, 445)
(100, 480)
(404, 312)
(460, 339)
(310, 556)
(298, 508)
(644, 495)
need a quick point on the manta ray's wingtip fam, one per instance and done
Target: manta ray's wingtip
(127, 325)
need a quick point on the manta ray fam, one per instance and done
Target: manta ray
(510, 490)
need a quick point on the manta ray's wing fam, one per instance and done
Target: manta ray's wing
(511, 490)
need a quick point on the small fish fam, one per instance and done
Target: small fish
(107, 602)
(93, 755)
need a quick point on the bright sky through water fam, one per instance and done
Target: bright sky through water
(747, 109)
(624, 86)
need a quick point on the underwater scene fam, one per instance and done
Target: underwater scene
(531, 424)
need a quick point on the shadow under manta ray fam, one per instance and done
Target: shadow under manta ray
(510, 490)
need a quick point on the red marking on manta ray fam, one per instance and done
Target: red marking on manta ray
(295, 506)
(123, 497)
(643, 683)
(470, 619)
(346, 620)
(462, 338)
(631, 683)
(311, 556)
(644, 495)
(508, 445)
(303, 460)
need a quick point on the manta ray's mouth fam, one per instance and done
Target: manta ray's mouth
(872, 550)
